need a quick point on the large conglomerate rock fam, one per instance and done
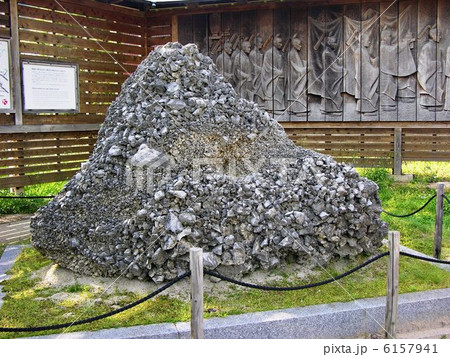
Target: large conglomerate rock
(182, 161)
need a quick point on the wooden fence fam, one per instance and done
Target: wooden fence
(108, 42)
(31, 158)
(371, 146)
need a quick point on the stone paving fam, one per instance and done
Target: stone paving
(15, 231)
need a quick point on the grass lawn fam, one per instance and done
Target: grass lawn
(417, 232)
(27, 303)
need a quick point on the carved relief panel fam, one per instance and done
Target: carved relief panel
(379, 61)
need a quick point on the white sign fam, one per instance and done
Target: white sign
(51, 87)
(5, 80)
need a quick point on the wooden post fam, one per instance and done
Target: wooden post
(196, 264)
(15, 72)
(439, 219)
(392, 284)
(15, 61)
(397, 151)
(174, 28)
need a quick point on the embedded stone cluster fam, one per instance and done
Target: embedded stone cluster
(182, 161)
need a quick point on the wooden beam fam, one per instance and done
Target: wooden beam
(15, 61)
(174, 28)
(196, 265)
(373, 125)
(254, 5)
(48, 128)
(397, 151)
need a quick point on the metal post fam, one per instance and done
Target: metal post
(439, 219)
(196, 263)
(392, 284)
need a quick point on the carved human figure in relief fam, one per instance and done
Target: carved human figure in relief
(273, 77)
(366, 75)
(332, 78)
(297, 69)
(224, 63)
(397, 70)
(430, 73)
(388, 71)
(407, 82)
(256, 58)
(243, 72)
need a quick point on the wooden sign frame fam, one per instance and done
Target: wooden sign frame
(6, 96)
(50, 87)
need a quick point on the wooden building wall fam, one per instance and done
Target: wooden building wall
(351, 135)
(108, 42)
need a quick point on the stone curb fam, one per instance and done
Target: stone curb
(360, 318)
(7, 260)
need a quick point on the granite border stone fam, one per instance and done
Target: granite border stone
(359, 318)
(7, 260)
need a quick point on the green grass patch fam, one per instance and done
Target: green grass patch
(417, 232)
(11, 206)
(26, 304)
(428, 171)
(2, 249)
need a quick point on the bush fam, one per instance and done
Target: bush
(381, 176)
(10, 206)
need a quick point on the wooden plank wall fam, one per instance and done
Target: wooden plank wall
(4, 19)
(27, 159)
(372, 146)
(362, 147)
(107, 44)
(425, 144)
(159, 31)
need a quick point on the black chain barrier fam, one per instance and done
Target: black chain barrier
(448, 199)
(412, 213)
(427, 259)
(99, 317)
(26, 197)
(220, 276)
(291, 288)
